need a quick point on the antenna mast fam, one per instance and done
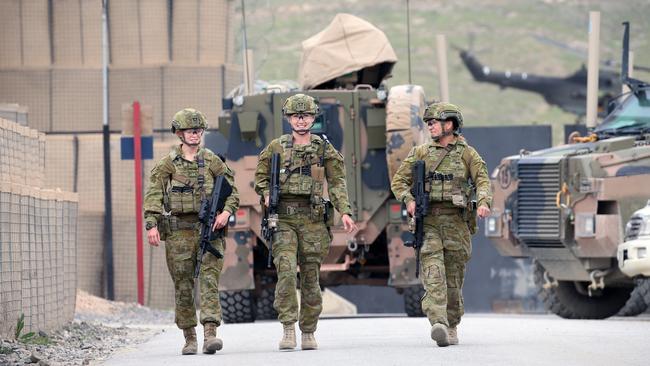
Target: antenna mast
(249, 85)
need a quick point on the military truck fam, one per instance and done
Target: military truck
(372, 127)
(566, 207)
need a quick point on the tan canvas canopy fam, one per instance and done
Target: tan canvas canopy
(348, 44)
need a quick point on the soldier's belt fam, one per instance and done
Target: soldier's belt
(445, 211)
(184, 226)
(184, 222)
(295, 207)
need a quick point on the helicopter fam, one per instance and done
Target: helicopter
(569, 93)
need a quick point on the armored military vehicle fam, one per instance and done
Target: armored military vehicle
(566, 207)
(372, 127)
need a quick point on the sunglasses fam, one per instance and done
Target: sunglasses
(432, 121)
(297, 116)
(193, 131)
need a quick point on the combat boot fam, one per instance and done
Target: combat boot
(440, 335)
(308, 341)
(453, 336)
(190, 341)
(289, 338)
(211, 343)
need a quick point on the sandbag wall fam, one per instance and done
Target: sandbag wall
(38, 240)
(168, 54)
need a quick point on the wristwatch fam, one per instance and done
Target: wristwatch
(150, 225)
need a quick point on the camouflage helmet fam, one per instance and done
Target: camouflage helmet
(300, 103)
(444, 111)
(188, 118)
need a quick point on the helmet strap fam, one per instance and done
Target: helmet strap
(443, 133)
(304, 131)
(181, 136)
(300, 132)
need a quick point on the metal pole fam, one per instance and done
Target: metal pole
(247, 76)
(408, 36)
(592, 70)
(108, 215)
(137, 159)
(250, 72)
(441, 51)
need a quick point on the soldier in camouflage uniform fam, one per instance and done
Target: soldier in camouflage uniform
(451, 219)
(178, 183)
(302, 237)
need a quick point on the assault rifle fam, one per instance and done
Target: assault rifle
(208, 212)
(270, 220)
(421, 207)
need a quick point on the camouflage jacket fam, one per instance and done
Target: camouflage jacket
(473, 167)
(333, 164)
(174, 164)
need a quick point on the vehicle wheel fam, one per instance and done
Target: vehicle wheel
(413, 300)
(265, 299)
(237, 306)
(566, 301)
(645, 290)
(637, 303)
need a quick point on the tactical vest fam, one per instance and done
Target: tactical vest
(188, 185)
(450, 181)
(303, 169)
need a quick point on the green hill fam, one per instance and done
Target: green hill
(507, 35)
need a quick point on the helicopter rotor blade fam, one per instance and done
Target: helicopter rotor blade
(582, 52)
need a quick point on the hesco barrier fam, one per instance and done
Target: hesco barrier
(75, 163)
(38, 237)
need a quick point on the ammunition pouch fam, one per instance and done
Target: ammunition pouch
(183, 200)
(458, 199)
(317, 212)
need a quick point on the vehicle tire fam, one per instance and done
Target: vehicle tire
(237, 306)
(637, 303)
(265, 299)
(567, 302)
(645, 290)
(413, 300)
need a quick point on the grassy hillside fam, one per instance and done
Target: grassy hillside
(506, 37)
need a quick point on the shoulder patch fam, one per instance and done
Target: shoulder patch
(165, 165)
(468, 154)
(332, 152)
(421, 151)
(277, 145)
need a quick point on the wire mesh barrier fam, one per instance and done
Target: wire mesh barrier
(38, 237)
(167, 54)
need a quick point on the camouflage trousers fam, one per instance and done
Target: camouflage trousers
(181, 248)
(299, 241)
(447, 249)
